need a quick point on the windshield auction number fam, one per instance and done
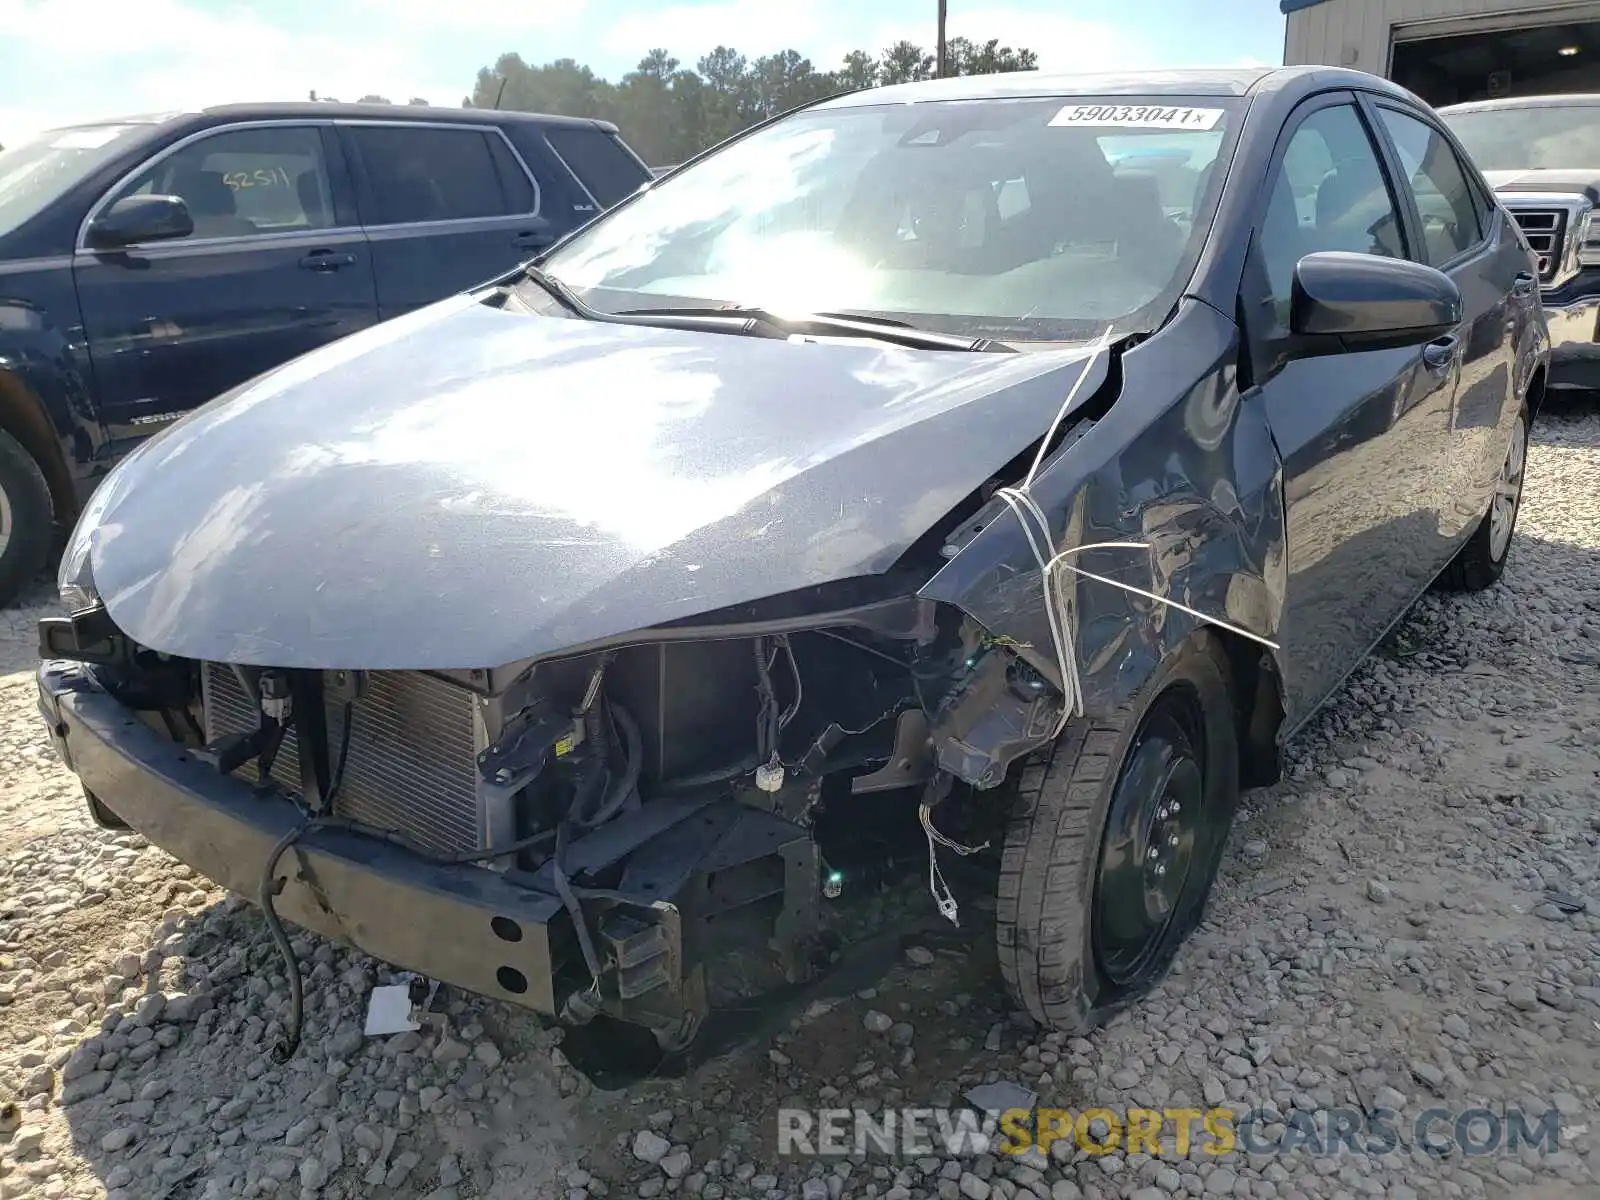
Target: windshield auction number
(1137, 116)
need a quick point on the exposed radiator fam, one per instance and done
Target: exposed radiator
(411, 766)
(1544, 228)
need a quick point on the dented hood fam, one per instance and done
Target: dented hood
(466, 487)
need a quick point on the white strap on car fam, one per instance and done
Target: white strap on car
(1058, 611)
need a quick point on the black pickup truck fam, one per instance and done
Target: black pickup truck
(1541, 154)
(150, 263)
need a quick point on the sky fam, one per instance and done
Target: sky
(64, 61)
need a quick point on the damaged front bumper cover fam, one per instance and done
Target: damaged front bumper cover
(503, 934)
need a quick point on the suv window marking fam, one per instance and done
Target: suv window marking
(81, 246)
(470, 126)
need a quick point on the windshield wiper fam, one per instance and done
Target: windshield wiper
(567, 298)
(751, 320)
(885, 329)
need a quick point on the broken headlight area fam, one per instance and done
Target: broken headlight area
(160, 688)
(677, 794)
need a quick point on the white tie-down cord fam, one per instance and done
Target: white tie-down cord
(1063, 637)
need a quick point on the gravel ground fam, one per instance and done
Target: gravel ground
(1382, 936)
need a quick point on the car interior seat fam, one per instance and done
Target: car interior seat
(308, 187)
(1354, 212)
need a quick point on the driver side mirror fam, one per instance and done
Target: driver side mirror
(1343, 301)
(135, 219)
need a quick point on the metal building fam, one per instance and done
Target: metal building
(1448, 51)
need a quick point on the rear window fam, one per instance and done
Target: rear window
(421, 174)
(608, 171)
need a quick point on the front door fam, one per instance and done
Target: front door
(446, 207)
(276, 266)
(1358, 433)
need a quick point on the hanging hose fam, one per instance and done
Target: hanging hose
(799, 688)
(633, 764)
(591, 957)
(270, 886)
(767, 727)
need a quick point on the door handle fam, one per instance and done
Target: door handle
(1522, 285)
(1440, 354)
(325, 261)
(532, 239)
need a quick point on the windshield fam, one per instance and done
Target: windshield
(35, 173)
(1018, 219)
(1530, 139)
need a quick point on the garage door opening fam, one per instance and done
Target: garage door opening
(1514, 62)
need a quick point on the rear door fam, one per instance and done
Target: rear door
(444, 206)
(1358, 433)
(1472, 244)
(277, 265)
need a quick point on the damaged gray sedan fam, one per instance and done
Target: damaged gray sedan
(1032, 454)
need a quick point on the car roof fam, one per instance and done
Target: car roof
(1200, 81)
(1568, 100)
(327, 110)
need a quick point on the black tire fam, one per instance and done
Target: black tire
(27, 513)
(1057, 955)
(1482, 560)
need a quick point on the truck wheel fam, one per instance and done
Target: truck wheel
(1480, 563)
(1115, 841)
(26, 519)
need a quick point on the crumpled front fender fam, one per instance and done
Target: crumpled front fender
(1180, 462)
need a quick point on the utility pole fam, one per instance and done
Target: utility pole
(943, 56)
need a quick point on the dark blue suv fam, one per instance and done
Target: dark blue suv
(150, 263)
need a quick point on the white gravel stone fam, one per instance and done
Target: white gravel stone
(649, 1146)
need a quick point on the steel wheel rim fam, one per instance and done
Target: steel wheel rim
(5, 520)
(1507, 493)
(1152, 837)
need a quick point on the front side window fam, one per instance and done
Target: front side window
(1025, 219)
(37, 173)
(1531, 137)
(419, 174)
(1444, 198)
(1328, 193)
(245, 182)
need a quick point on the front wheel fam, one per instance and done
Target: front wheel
(26, 518)
(1111, 854)
(1482, 560)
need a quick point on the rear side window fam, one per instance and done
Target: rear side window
(608, 171)
(1444, 197)
(420, 174)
